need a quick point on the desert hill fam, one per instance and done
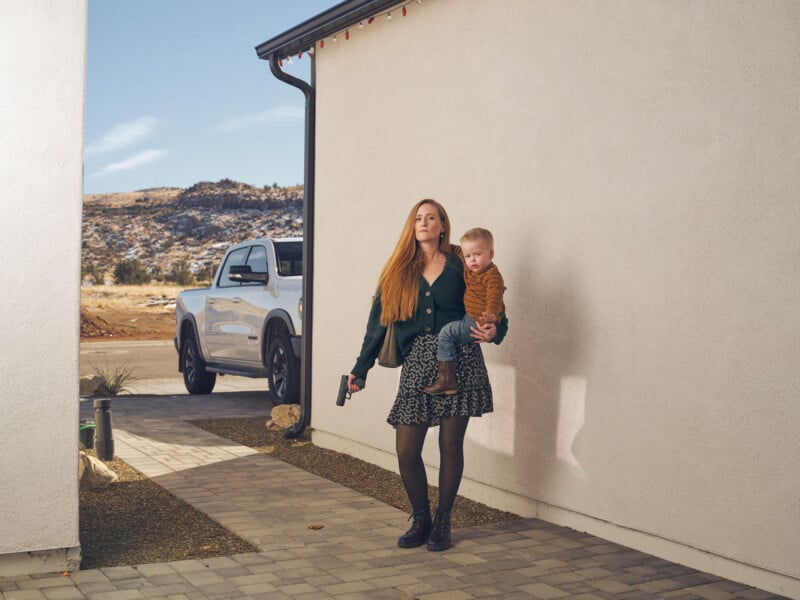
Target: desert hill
(162, 227)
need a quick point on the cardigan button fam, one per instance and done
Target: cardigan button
(428, 293)
(428, 310)
(427, 329)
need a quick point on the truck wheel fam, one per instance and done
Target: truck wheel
(283, 370)
(195, 377)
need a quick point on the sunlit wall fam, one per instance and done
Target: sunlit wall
(639, 165)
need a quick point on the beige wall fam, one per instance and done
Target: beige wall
(42, 58)
(639, 164)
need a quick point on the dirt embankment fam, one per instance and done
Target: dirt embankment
(128, 312)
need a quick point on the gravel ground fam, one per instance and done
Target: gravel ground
(135, 521)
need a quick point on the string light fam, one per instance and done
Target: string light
(403, 11)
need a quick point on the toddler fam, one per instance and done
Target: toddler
(483, 301)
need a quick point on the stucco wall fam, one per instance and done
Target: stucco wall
(42, 58)
(639, 165)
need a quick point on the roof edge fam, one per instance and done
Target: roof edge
(303, 36)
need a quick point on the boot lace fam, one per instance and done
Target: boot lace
(421, 518)
(440, 525)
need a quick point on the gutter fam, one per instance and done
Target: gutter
(305, 35)
(308, 242)
(298, 40)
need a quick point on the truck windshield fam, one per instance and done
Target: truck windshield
(289, 256)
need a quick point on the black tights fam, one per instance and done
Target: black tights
(410, 439)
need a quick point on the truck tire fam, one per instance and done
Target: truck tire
(283, 370)
(195, 377)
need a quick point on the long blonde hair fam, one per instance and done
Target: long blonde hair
(399, 280)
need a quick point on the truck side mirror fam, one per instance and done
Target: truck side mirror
(245, 274)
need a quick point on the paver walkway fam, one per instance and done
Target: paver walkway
(354, 556)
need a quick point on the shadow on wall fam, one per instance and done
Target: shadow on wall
(539, 383)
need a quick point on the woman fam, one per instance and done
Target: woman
(420, 289)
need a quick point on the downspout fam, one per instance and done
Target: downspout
(308, 242)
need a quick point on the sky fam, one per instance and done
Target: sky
(175, 94)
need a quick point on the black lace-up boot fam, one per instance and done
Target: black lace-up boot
(420, 529)
(440, 532)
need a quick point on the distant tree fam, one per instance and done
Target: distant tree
(155, 273)
(275, 185)
(130, 272)
(205, 274)
(181, 274)
(90, 271)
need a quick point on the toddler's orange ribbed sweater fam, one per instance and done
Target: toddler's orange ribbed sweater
(484, 292)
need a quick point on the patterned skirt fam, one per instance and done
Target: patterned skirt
(412, 405)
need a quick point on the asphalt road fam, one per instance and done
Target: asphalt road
(149, 360)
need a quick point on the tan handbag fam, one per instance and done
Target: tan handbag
(389, 356)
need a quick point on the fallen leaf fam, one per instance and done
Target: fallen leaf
(316, 526)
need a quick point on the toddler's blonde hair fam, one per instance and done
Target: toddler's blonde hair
(479, 234)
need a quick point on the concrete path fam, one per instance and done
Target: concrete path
(354, 556)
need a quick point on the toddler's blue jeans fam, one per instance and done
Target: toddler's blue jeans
(452, 334)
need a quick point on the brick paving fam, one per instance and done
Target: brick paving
(354, 556)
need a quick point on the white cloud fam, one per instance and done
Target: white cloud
(123, 135)
(285, 114)
(134, 161)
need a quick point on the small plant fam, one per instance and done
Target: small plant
(115, 382)
(131, 272)
(181, 274)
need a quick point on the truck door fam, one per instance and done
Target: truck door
(254, 304)
(223, 323)
(236, 311)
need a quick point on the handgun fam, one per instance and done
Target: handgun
(344, 389)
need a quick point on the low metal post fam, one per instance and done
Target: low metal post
(104, 436)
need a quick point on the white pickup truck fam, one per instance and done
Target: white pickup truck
(248, 322)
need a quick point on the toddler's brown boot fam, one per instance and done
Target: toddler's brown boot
(446, 379)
